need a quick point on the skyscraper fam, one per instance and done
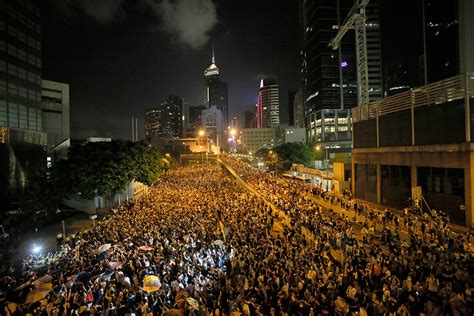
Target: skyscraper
(20, 69)
(167, 120)
(213, 124)
(249, 119)
(449, 30)
(22, 140)
(291, 110)
(195, 120)
(216, 90)
(329, 76)
(268, 106)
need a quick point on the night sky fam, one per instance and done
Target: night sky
(121, 57)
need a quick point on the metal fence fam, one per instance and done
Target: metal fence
(441, 92)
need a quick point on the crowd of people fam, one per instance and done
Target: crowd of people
(207, 244)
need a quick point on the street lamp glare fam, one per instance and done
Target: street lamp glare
(233, 132)
(318, 148)
(201, 133)
(36, 249)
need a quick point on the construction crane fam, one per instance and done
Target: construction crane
(356, 19)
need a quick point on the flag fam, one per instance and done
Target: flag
(277, 229)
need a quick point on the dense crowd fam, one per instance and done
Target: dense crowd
(209, 247)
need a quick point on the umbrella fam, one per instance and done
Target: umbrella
(38, 293)
(180, 299)
(151, 283)
(102, 256)
(104, 248)
(218, 242)
(145, 248)
(82, 277)
(115, 264)
(193, 303)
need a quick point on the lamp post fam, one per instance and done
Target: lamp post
(233, 132)
(201, 134)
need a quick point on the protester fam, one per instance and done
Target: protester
(210, 249)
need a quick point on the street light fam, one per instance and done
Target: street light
(232, 134)
(202, 133)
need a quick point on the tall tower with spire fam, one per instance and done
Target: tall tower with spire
(216, 90)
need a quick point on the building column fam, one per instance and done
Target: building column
(379, 184)
(414, 176)
(469, 191)
(353, 179)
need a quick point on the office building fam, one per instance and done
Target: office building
(22, 140)
(216, 90)
(329, 76)
(249, 119)
(195, 119)
(291, 111)
(168, 120)
(292, 134)
(268, 106)
(448, 24)
(253, 139)
(298, 109)
(213, 125)
(55, 111)
(397, 79)
(420, 139)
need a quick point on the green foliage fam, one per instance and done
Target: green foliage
(107, 167)
(281, 157)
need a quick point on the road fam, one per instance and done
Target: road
(46, 236)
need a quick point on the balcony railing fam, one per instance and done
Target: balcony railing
(441, 92)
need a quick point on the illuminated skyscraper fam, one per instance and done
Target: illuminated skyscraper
(22, 140)
(329, 76)
(168, 120)
(268, 106)
(216, 90)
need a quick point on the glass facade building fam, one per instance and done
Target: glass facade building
(20, 71)
(329, 76)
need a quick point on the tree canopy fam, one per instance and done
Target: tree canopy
(99, 168)
(281, 157)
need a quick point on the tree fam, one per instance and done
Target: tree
(281, 158)
(107, 167)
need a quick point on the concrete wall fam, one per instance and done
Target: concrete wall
(459, 156)
(134, 191)
(55, 111)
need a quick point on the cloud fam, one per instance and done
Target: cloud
(189, 22)
(102, 11)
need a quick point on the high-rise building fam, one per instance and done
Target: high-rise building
(298, 109)
(22, 140)
(291, 110)
(329, 76)
(20, 69)
(216, 90)
(55, 111)
(397, 79)
(213, 124)
(268, 106)
(448, 24)
(152, 123)
(167, 120)
(195, 120)
(249, 119)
